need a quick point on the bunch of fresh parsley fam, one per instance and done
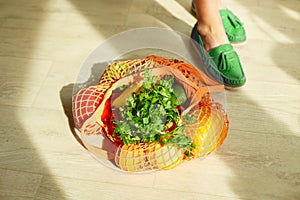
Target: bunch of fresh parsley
(146, 115)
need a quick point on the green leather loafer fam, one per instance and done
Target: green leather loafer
(233, 26)
(225, 60)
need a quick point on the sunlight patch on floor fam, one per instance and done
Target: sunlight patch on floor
(291, 13)
(273, 33)
(59, 28)
(177, 11)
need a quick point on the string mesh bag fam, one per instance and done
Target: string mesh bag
(150, 113)
(143, 102)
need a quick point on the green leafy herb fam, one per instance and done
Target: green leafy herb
(152, 115)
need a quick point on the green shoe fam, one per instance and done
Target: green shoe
(233, 26)
(225, 61)
(229, 65)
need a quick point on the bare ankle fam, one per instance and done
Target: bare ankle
(212, 36)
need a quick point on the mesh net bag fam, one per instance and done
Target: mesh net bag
(202, 121)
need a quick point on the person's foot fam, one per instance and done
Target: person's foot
(233, 26)
(212, 35)
(226, 60)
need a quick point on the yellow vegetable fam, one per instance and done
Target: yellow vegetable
(120, 100)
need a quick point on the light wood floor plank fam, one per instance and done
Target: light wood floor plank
(42, 45)
(16, 184)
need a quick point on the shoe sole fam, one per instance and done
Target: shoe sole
(233, 87)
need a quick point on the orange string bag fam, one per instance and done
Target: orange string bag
(207, 132)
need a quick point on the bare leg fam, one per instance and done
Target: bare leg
(209, 23)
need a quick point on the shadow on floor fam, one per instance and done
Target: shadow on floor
(264, 156)
(116, 18)
(91, 77)
(261, 151)
(285, 22)
(24, 173)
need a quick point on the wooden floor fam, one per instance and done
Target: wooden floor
(44, 42)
